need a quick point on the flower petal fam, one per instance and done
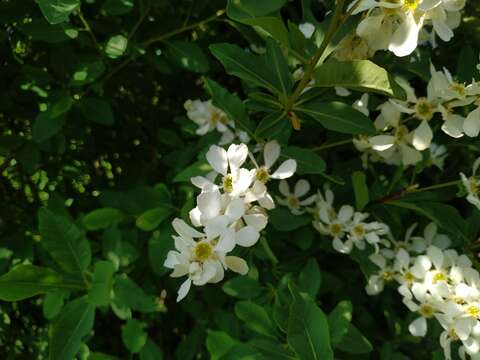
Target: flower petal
(422, 136)
(285, 170)
(235, 209)
(236, 264)
(247, 236)
(185, 230)
(471, 126)
(237, 154)
(271, 153)
(382, 142)
(184, 289)
(284, 188)
(301, 188)
(405, 38)
(418, 327)
(216, 226)
(218, 159)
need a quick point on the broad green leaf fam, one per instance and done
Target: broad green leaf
(272, 125)
(243, 287)
(87, 72)
(116, 46)
(199, 168)
(57, 11)
(188, 55)
(339, 117)
(97, 110)
(360, 188)
(159, 245)
(99, 291)
(282, 219)
(219, 343)
(243, 352)
(271, 349)
(102, 218)
(133, 336)
(24, 281)
(354, 342)
(255, 317)
(74, 322)
(151, 351)
(53, 303)
(308, 332)
(252, 8)
(339, 321)
(45, 126)
(360, 75)
(41, 30)
(308, 162)
(279, 65)
(467, 65)
(118, 7)
(64, 241)
(101, 356)
(253, 69)
(310, 278)
(231, 105)
(152, 218)
(128, 293)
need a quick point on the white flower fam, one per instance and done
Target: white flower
(206, 116)
(377, 281)
(362, 105)
(336, 225)
(360, 231)
(292, 200)
(472, 185)
(307, 29)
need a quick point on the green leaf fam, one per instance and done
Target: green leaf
(133, 335)
(253, 69)
(151, 351)
(243, 352)
(339, 321)
(46, 126)
(308, 162)
(231, 105)
(128, 293)
(64, 241)
(310, 278)
(53, 303)
(87, 73)
(102, 218)
(152, 218)
(159, 245)
(308, 332)
(188, 55)
(99, 292)
(74, 322)
(255, 317)
(282, 219)
(97, 111)
(24, 281)
(360, 188)
(354, 342)
(118, 7)
(359, 75)
(467, 65)
(279, 65)
(116, 46)
(271, 349)
(242, 287)
(337, 116)
(41, 30)
(57, 11)
(272, 125)
(196, 169)
(101, 356)
(252, 8)
(219, 343)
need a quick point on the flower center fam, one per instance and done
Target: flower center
(439, 276)
(293, 202)
(458, 88)
(426, 311)
(474, 185)
(218, 117)
(410, 5)
(262, 175)
(408, 276)
(335, 229)
(424, 109)
(401, 132)
(203, 251)
(228, 183)
(453, 335)
(473, 311)
(387, 275)
(358, 230)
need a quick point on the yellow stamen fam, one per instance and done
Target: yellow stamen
(203, 251)
(262, 175)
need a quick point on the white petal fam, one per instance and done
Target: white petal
(171, 259)
(284, 188)
(453, 126)
(247, 236)
(307, 29)
(257, 221)
(209, 204)
(418, 327)
(342, 247)
(271, 152)
(410, 156)
(285, 170)
(405, 38)
(185, 230)
(183, 290)
(218, 159)
(422, 136)
(382, 142)
(267, 202)
(195, 216)
(301, 188)
(200, 181)
(471, 126)
(216, 226)
(436, 256)
(345, 213)
(237, 154)
(226, 243)
(236, 264)
(235, 209)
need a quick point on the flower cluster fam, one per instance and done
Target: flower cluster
(209, 118)
(436, 283)
(231, 209)
(401, 143)
(472, 185)
(396, 25)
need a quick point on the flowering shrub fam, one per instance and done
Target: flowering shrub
(240, 179)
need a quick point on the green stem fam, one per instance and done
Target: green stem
(88, 29)
(331, 145)
(438, 186)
